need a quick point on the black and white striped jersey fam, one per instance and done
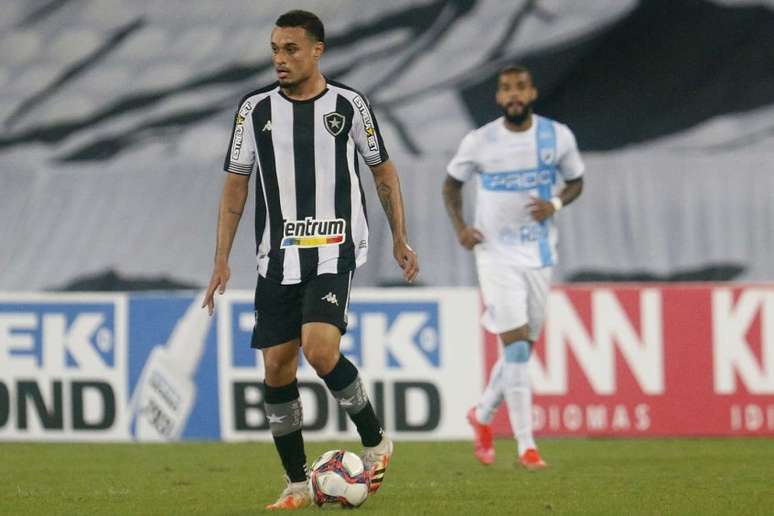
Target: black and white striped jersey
(310, 214)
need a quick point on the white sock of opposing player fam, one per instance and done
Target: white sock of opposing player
(518, 393)
(492, 396)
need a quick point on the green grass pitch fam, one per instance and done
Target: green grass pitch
(594, 476)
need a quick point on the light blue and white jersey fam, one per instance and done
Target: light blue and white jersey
(511, 167)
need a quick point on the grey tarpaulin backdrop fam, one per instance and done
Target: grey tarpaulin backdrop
(652, 211)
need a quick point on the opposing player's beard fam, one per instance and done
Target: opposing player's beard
(519, 118)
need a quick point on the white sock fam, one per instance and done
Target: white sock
(518, 397)
(492, 396)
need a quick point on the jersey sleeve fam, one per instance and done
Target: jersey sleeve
(570, 163)
(464, 163)
(240, 156)
(365, 132)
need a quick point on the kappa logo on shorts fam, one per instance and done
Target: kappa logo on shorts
(331, 298)
(334, 123)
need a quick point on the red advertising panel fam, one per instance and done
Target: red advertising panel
(652, 360)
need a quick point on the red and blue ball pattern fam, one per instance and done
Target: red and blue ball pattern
(335, 465)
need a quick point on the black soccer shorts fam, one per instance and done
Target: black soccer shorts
(281, 310)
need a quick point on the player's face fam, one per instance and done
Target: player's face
(515, 95)
(295, 55)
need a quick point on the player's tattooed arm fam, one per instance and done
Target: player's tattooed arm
(232, 204)
(468, 236)
(385, 197)
(388, 189)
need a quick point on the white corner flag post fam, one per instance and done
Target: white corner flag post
(165, 392)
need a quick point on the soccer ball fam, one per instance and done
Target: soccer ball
(338, 476)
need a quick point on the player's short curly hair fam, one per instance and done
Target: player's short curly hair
(309, 21)
(514, 68)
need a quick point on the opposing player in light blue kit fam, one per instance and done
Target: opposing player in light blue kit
(518, 160)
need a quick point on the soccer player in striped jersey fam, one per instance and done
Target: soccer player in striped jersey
(517, 160)
(300, 137)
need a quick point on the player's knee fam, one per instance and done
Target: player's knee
(518, 351)
(322, 358)
(279, 372)
(515, 335)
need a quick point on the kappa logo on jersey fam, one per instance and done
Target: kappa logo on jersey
(267, 126)
(311, 232)
(547, 156)
(239, 131)
(331, 298)
(334, 123)
(368, 124)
